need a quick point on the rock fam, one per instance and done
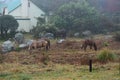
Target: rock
(19, 38)
(29, 42)
(86, 33)
(77, 34)
(46, 35)
(60, 41)
(22, 45)
(7, 46)
(49, 35)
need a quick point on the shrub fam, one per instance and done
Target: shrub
(105, 44)
(17, 49)
(40, 30)
(106, 55)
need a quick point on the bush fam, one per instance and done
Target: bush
(105, 44)
(39, 31)
(106, 55)
(117, 36)
(17, 49)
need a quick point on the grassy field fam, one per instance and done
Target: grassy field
(52, 71)
(15, 67)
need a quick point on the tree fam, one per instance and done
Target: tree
(42, 27)
(77, 16)
(8, 24)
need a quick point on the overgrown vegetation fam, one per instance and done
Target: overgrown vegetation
(76, 16)
(106, 55)
(42, 27)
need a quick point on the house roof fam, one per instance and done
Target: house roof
(49, 5)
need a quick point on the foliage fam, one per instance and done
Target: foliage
(8, 24)
(105, 44)
(106, 55)
(42, 28)
(17, 49)
(117, 36)
(76, 17)
(50, 5)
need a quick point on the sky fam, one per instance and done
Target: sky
(10, 4)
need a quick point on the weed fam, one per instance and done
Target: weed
(106, 55)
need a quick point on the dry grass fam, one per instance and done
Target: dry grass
(58, 72)
(24, 66)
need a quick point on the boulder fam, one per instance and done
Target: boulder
(60, 41)
(19, 38)
(7, 46)
(87, 33)
(49, 35)
(77, 34)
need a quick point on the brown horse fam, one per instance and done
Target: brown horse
(89, 43)
(39, 44)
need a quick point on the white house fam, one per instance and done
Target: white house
(24, 11)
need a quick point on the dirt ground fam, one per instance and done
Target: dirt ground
(68, 52)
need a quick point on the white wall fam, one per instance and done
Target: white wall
(34, 12)
(24, 8)
(24, 25)
(24, 12)
(16, 12)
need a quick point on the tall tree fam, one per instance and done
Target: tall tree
(76, 16)
(8, 24)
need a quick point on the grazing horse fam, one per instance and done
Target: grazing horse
(39, 44)
(89, 43)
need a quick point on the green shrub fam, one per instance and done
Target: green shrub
(106, 55)
(17, 49)
(105, 44)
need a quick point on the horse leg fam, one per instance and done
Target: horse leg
(29, 47)
(90, 46)
(46, 48)
(85, 46)
(95, 47)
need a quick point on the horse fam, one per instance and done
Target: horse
(89, 43)
(39, 44)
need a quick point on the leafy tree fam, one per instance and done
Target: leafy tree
(77, 16)
(42, 27)
(8, 24)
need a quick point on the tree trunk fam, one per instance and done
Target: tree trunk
(2, 35)
(6, 33)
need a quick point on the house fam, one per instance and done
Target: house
(24, 11)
